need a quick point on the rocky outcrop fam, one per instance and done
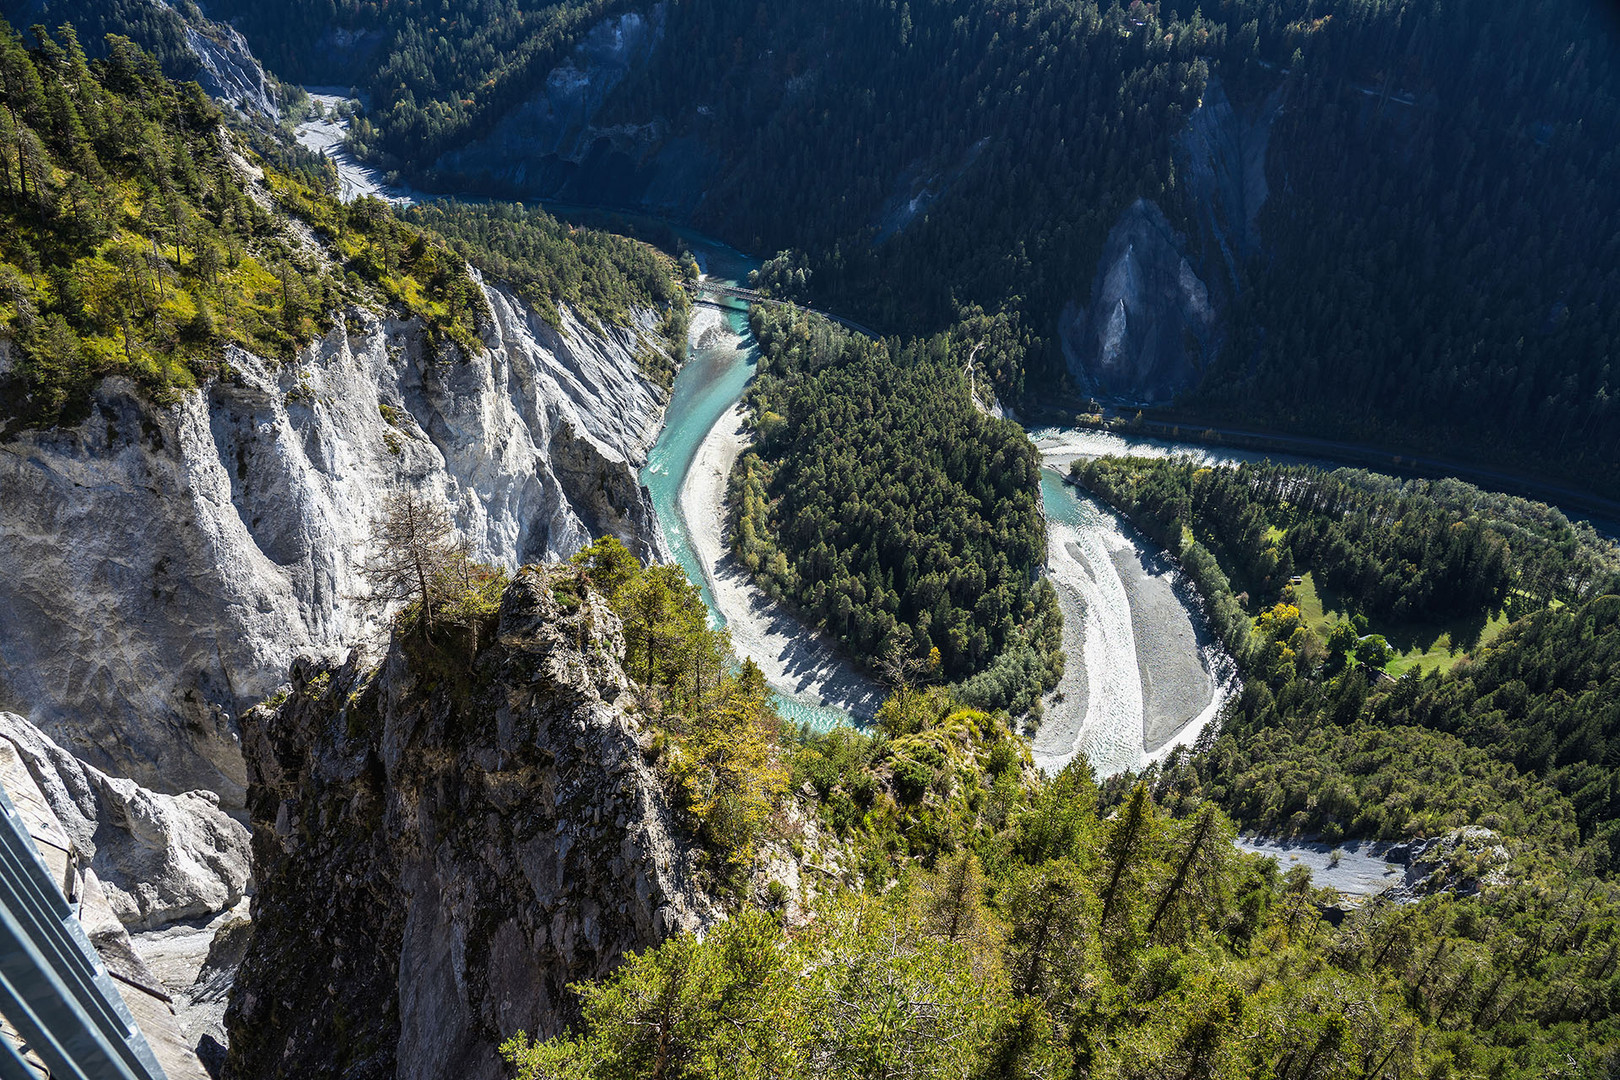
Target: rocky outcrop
(444, 842)
(1148, 329)
(228, 70)
(161, 886)
(1462, 861)
(195, 962)
(551, 145)
(164, 565)
(159, 858)
(1222, 159)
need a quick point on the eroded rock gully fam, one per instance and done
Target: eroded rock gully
(165, 563)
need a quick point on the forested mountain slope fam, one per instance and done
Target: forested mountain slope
(1321, 740)
(1401, 215)
(1008, 925)
(212, 376)
(134, 246)
(914, 901)
(1488, 742)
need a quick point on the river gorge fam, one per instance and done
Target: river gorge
(1142, 674)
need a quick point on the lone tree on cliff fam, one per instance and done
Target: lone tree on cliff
(414, 544)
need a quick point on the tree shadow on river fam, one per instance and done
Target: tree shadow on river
(807, 663)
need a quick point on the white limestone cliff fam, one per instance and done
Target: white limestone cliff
(164, 564)
(158, 858)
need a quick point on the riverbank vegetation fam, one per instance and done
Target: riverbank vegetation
(1321, 740)
(1517, 738)
(879, 501)
(1389, 552)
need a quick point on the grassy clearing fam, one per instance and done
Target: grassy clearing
(1426, 646)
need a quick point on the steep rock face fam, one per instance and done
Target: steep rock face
(229, 70)
(195, 962)
(158, 858)
(1223, 157)
(163, 566)
(1152, 321)
(1149, 327)
(551, 144)
(444, 843)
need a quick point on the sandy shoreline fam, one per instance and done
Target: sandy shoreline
(1057, 739)
(799, 662)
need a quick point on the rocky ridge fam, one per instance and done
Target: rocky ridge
(228, 69)
(444, 843)
(1223, 155)
(227, 529)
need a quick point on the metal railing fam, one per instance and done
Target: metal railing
(54, 989)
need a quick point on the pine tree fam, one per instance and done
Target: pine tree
(413, 542)
(1130, 840)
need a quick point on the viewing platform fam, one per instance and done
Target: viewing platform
(76, 1000)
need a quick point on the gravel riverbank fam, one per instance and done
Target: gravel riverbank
(798, 661)
(1141, 674)
(355, 178)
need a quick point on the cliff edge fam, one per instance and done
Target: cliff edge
(227, 529)
(444, 840)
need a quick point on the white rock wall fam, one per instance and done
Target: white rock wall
(229, 70)
(159, 858)
(160, 567)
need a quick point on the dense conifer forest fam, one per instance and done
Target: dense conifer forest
(131, 244)
(882, 502)
(1535, 711)
(1434, 261)
(1003, 924)
(1441, 267)
(998, 923)
(1391, 550)
(157, 29)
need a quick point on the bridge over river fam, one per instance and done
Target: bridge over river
(709, 290)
